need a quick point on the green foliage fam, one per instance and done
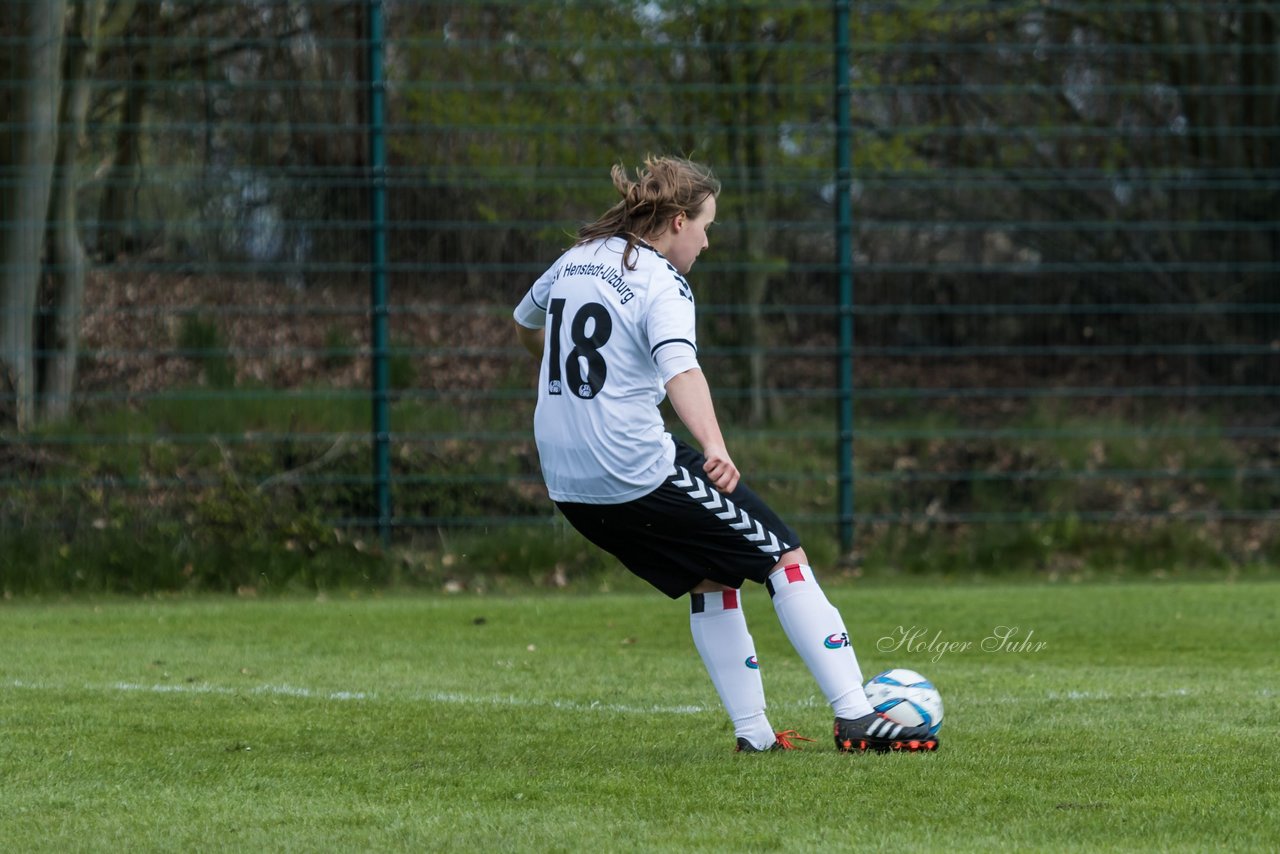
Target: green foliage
(401, 372)
(338, 352)
(1057, 494)
(201, 341)
(231, 512)
(219, 538)
(533, 141)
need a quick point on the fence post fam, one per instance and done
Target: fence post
(378, 270)
(844, 267)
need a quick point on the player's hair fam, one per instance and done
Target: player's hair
(663, 188)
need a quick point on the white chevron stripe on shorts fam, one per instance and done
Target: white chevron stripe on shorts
(710, 498)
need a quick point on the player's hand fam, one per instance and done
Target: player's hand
(721, 471)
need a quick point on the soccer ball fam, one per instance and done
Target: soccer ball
(906, 697)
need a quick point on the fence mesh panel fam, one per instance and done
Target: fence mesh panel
(1066, 254)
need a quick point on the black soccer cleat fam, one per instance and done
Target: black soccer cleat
(782, 741)
(876, 732)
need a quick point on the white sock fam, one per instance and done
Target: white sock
(720, 634)
(817, 632)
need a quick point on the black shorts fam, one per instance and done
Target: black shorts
(686, 531)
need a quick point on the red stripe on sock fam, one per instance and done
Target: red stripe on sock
(794, 573)
(730, 600)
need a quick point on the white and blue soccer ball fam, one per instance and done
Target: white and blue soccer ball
(906, 697)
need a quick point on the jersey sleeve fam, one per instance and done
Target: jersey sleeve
(531, 312)
(671, 327)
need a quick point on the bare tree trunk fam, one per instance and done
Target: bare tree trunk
(59, 334)
(118, 207)
(28, 150)
(744, 115)
(755, 174)
(755, 288)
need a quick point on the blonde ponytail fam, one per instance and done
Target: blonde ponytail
(663, 188)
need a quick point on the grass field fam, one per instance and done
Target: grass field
(1126, 716)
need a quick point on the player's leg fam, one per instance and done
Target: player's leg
(646, 535)
(817, 631)
(720, 635)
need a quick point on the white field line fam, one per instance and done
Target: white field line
(563, 705)
(461, 699)
(197, 688)
(440, 697)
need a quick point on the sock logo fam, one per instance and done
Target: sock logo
(753, 663)
(837, 641)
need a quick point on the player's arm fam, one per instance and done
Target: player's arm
(532, 339)
(691, 397)
(531, 315)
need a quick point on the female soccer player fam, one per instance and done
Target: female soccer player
(612, 322)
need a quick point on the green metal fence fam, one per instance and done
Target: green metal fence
(995, 281)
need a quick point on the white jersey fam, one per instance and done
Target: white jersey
(614, 338)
